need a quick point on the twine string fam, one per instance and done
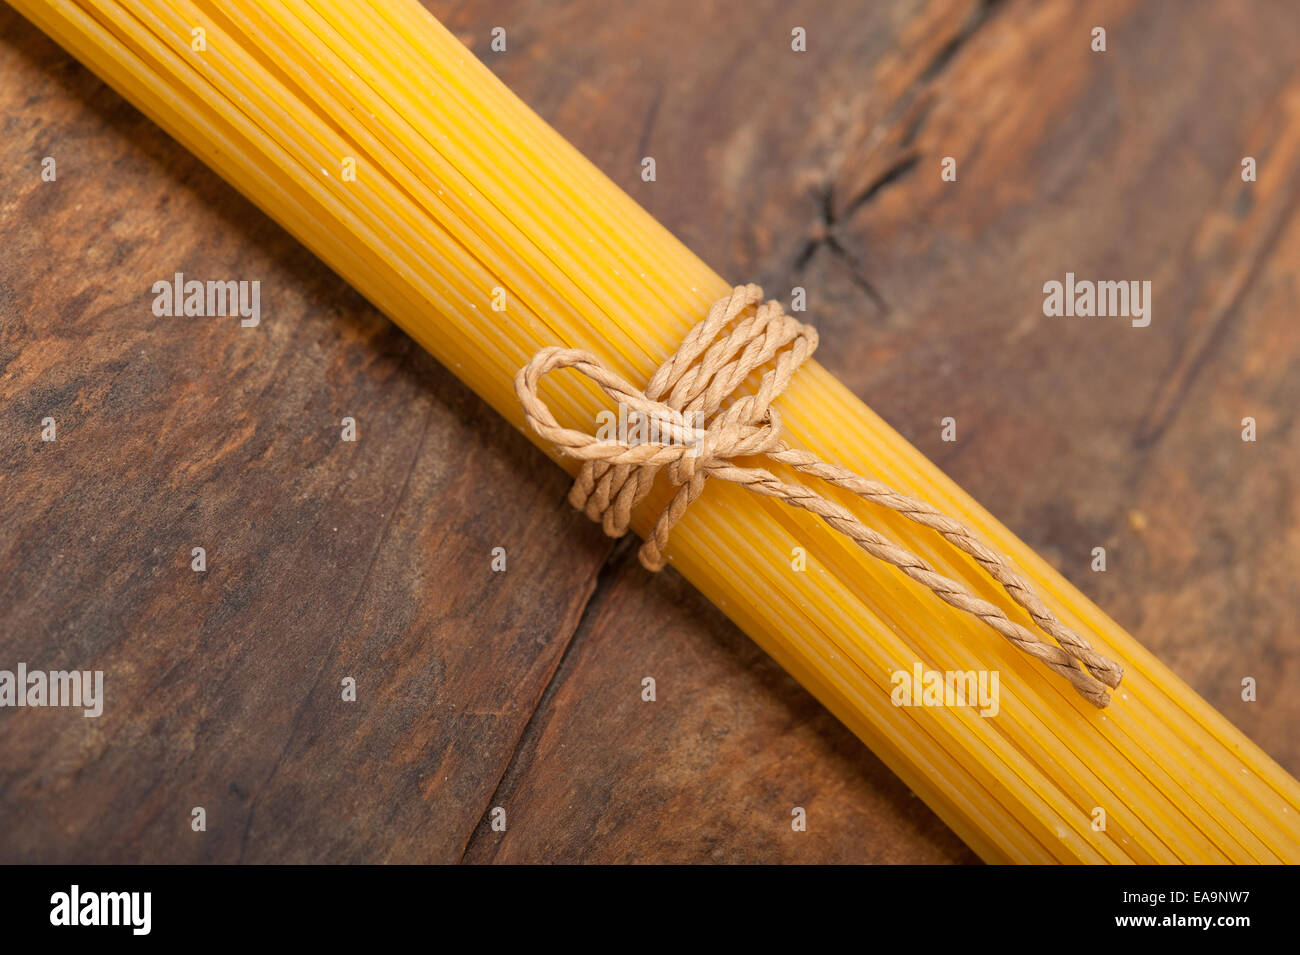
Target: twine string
(700, 439)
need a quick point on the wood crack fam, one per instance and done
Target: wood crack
(823, 234)
(648, 125)
(1259, 234)
(601, 583)
(328, 655)
(948, 52)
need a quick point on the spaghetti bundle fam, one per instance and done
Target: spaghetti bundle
(378, 140)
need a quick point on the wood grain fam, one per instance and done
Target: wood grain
(523, 689)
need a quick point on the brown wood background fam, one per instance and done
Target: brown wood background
(522, 689)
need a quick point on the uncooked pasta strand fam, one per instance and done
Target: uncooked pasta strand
(462, 196)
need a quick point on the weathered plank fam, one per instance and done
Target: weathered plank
(709, 770)
(1115, 165)
(325, 559)
(329, 559)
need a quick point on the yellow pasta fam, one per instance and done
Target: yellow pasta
(460, 191)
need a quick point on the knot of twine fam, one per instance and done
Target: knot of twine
(699, 439)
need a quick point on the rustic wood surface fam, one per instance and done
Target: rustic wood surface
(522, 689)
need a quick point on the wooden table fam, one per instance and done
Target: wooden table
(371, 560)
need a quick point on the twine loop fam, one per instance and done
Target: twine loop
(697, 438)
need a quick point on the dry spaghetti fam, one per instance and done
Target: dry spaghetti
(694, 382)
(461, 192)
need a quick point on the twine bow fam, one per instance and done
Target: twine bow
(689, 390)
